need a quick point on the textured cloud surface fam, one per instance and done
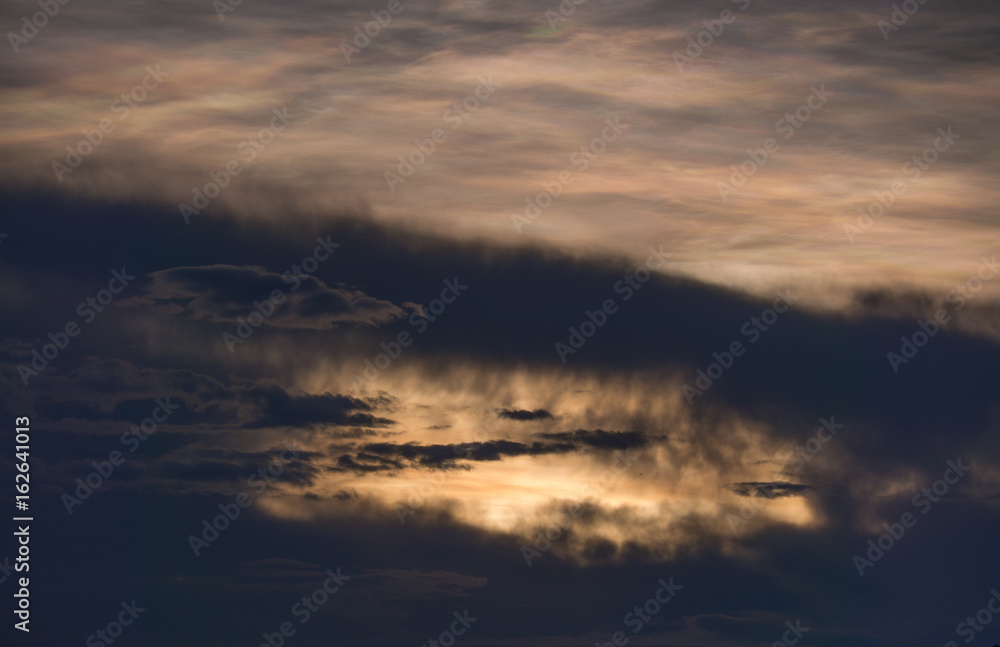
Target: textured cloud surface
(521, 312)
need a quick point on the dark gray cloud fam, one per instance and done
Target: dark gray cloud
(524, 415)
(769, 490)
(600, 439)
(225, 294)
(374, 457)
(280, 408)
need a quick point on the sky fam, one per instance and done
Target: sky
(500, 323)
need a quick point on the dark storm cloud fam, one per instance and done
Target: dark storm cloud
(521, 414)
(420, 573)
(809, 365)
(806, 365)
(161, 337)
(199, 401)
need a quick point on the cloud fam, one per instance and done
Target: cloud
(523, 415)
(770, 490)
(600, 439)
(278, 407)
(392, 456)
(223, 294)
